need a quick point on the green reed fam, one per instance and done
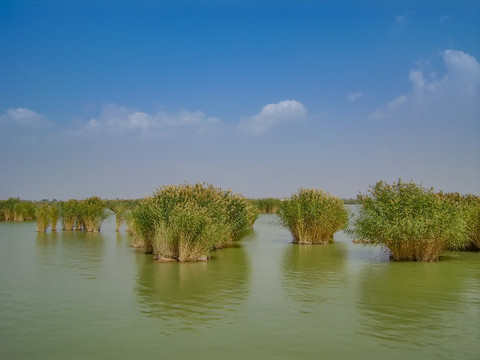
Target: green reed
(186, 222)
(313, 216)
(414, 223)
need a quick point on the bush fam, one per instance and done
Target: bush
(186, 222)
(313, 216)
(414, 223)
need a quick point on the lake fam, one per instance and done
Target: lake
(76, 295)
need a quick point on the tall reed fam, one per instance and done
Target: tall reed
(472, 218)
(186, 222)
(414, 223)
(313, 216)
(23, 210)
(43, 216)
(54, 215)
(8, 208)
(93, 213)
(267, 205)
(469, 206)
(69, 211)
(121, 209)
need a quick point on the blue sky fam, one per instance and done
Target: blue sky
(115, 98)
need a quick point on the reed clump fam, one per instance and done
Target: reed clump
(414, 223)
(267, 205)
(472, 214)
(23, 210)
(7, 208)
(313, 216)
(469, 206)
(186, 222)
(69, 211)
(54, 216)
(43, 216)
(121, 208)
(92, 214)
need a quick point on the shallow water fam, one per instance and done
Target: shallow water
(75, 295)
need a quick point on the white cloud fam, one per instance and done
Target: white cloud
(456, 91)
(93, 124)
(118, 118)
(25, 118)
(397, 102)
(354, 96)
(272, 115)
(381, 114)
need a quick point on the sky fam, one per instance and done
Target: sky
(117, 98)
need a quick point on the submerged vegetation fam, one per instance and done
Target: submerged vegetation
(186, 222)
(414, 223)
(313, 216)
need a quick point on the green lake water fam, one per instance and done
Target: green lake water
(76, 295)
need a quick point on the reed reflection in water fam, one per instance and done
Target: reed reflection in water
(311, 273)
(187, 294)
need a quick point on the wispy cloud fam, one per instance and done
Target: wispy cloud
(24, 118)
(353, 96)
(459, 89)
(119, 119)
(271, 116)
(381, 114)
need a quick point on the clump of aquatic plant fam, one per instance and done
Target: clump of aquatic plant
(43, 216)
(472, 213)
(92, 213)
(121, 209)
(8, 208)
(313, 216)
(23, 210)
(69, 211)
(414, 223)
(469, 206)
(191, 234)
(186, 222)
(241, 215)
(267, 205)
(54, 215)
(130, 221)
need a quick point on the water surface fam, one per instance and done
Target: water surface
(75, 295)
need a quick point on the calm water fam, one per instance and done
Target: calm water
(71, 295)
